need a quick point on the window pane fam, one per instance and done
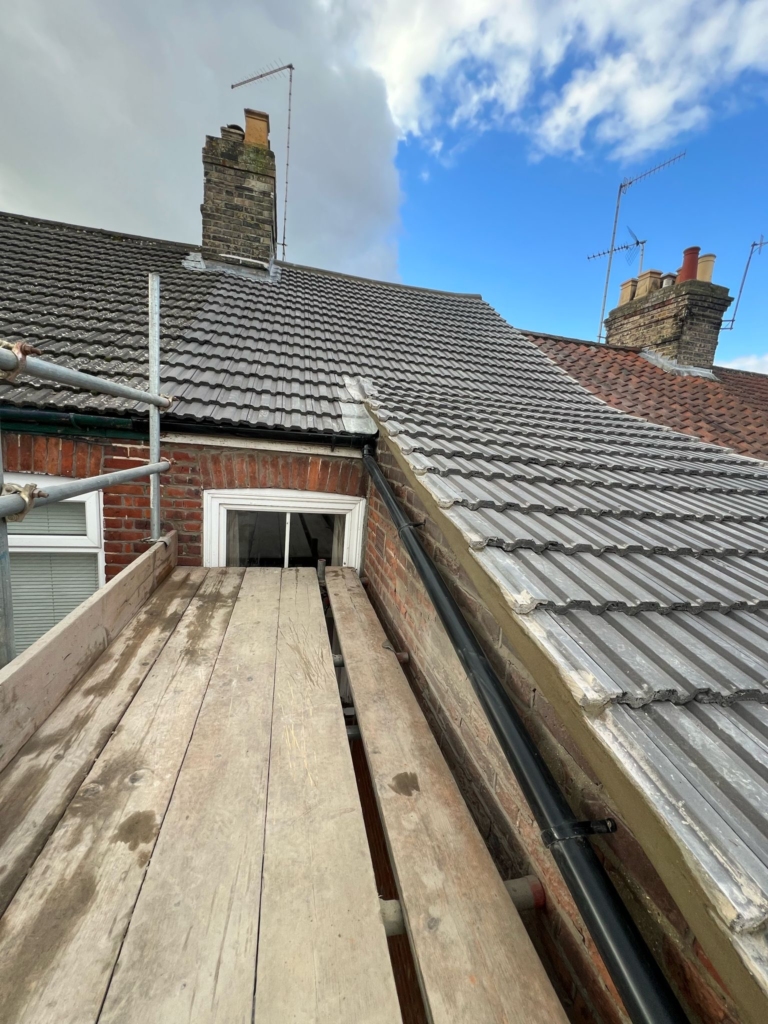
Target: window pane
(65, 518)
(255, 538)
(312, 537)
(45, 588)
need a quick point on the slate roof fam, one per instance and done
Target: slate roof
(731, 410)
(636, 557)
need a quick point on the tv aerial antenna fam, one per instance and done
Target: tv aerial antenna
(755, 247)
(624, 187)
(256, 78)
(631, 248)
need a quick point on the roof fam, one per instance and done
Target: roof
(635, 556)
(239, 348)
(731, 409)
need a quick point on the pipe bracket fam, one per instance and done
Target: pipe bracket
(410, 526)
(577, 830)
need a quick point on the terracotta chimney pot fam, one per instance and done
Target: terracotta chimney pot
(706, 266)
(690, 268)
(256, 128)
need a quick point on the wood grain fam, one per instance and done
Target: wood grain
(322, 955)
(33, 684)
(38, 784)
(190, 951)
(61, 934)
(475, 960)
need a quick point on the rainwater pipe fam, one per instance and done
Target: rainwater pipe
(645, 991)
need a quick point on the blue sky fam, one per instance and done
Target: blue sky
(474, 145)
(517, 229)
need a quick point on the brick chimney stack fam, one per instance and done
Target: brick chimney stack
(239, 209)
(677, 316)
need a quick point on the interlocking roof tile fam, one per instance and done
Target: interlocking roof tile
(636, 556)
(731, 410)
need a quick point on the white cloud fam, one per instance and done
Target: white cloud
(629, 75)
(757, 364)
(106, 105)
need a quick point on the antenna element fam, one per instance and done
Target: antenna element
(624, 187)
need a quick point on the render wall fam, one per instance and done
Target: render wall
(194, 468)
(492, 793)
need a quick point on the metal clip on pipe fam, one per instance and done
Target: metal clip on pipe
(576, 830)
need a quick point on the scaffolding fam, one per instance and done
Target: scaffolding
(14, 360)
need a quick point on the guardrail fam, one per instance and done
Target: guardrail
(15, 359)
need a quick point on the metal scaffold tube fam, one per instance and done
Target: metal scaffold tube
(31, 366)
(16, 359)
(7, 652)
(154, 411)
(12, 504)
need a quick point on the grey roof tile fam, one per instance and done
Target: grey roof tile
(635, 556)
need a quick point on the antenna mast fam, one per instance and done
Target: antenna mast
(255, 78)
(624, 187)
(755, 247)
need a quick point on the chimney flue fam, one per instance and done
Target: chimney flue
(690, 268)
(677, 316)
(706, 267)
(239, 213)
(256, 128)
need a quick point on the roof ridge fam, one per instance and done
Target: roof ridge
(377, 281)
(28, 219)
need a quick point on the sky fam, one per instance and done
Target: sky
(466, 145)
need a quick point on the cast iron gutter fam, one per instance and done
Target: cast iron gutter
(643, 988)
(72, 420)
(13, 417)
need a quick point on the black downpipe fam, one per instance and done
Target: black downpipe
(643, 988)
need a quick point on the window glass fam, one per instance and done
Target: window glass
(311, 538)
(255, 538)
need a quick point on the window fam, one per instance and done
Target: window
(282, 528)
(57, 560)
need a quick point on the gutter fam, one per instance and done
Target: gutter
(44, 420)
(643, 988)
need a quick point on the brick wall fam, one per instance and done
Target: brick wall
(680, 323)
(493, 795)
(194, 468)
(239, 199)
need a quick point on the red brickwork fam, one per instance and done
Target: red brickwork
(493, 795)
(194, 468)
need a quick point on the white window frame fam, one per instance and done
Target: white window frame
(216, 504)
(46, 543)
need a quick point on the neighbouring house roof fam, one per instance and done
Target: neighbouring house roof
(730, 408)
(636, 557)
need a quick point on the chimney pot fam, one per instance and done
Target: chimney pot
(256, 128)
(690, 266)
(628, 289)
(648, 282)
(668, 280)
(706, 266)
